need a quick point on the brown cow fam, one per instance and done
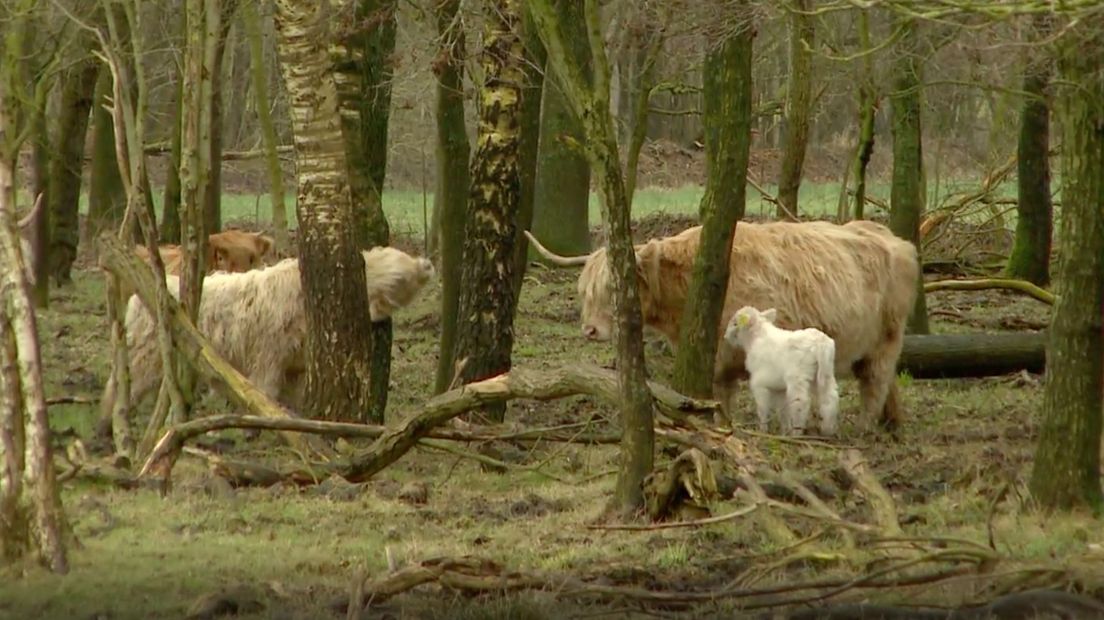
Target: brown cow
(230, 250)
(856, 282)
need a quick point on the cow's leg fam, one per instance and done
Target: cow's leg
(877, 374)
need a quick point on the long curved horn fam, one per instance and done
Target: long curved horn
(556, 259)
(23, 223)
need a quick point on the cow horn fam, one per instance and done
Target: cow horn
(556, 259)
(23, 223)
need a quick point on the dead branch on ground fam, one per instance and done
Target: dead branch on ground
(472, 576)
(392, 443)
(1021, 286)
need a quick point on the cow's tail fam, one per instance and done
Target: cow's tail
(827, 389)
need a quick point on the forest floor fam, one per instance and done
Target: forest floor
(956, 469)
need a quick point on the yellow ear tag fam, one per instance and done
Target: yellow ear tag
(742, 320)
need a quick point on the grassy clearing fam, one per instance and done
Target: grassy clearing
(148, 557)
(409, 210)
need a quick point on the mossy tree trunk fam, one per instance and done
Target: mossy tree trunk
(799, 107)
(220, 15)
(726, 116)
(338, 348)
(1030, 257)
(78, 85)
(40, 185)
(362, 68)
(450, 199)
(106, 195)
(485, 313)
(531, 95)
(589, 100)
(867, 104)
(561, 202)
(1066, 473)
(907, 191)
(258, 74)
(170, 194)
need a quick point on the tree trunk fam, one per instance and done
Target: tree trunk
(1030, 257)
(202, 26)
(907, 192)
(40, 224)
(170, 202)
(220, 17)
(641, 94)
(1066, 474)
(259, 76)
(530, 125)
(66, 167)
(338, 348)
(485, 315)
(362, 67)
(949, 356)
(27, 475)
(561, 202)
(799, 107)
(589, 100)
(867, 106)
(450, 199)
(106, 195)
(726, 116)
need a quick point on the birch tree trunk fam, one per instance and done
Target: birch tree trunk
(450, 199)
(338, 344)
(907, 191)
(1066, 473)
(31, 515)
(726, 115)
(485, 314)
(589, 100)
(799, 104)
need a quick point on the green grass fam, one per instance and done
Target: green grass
(408, 210)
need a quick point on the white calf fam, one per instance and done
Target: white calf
(784, 367)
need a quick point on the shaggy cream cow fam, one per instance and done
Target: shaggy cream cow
(257, 321)
(787, 369)
(856, 282)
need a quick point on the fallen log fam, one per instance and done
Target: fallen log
(946, 356)
(126, 265)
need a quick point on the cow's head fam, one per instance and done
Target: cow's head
(237, 250)
(394, 279)
(594, 287)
